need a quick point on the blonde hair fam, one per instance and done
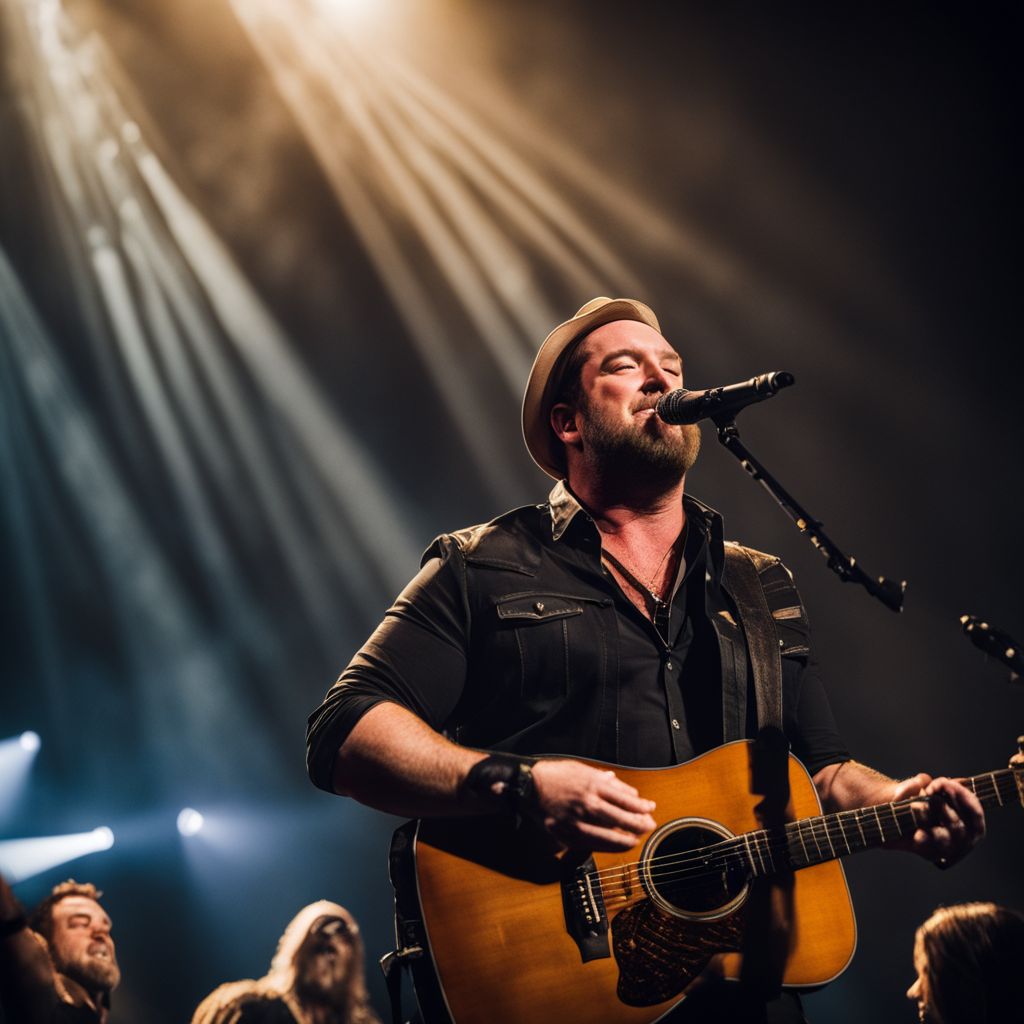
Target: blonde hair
(224, 1004)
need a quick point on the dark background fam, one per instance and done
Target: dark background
(832, 191)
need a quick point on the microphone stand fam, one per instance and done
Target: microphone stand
(995, 642)
(889, 592)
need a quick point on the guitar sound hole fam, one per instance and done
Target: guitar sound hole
(679, 871)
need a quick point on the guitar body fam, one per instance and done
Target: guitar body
(506, 915)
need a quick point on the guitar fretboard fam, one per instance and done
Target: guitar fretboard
(808, 841)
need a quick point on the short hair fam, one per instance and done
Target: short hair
(568, 374)
(972, 958)
(41, 919)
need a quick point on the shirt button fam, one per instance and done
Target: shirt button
(675, 723)
(782, 643)
(539, 606)
(668, 665)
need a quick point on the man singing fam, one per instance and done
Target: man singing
(605, 623)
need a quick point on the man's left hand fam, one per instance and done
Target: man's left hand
(950, 819)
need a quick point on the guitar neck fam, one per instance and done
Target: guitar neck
(815, 840)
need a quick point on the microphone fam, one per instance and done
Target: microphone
(684, 406)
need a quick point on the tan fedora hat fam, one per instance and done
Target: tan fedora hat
(546, 375)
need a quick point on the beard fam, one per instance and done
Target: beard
(322, 980)
(92, 973)
(618, 450)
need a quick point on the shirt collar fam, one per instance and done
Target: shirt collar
(565, 506)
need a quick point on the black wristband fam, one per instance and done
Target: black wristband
(507, 779)
(13, 925)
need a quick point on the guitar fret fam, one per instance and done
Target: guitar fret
(992, 776)
(828, 838)
(842, 832)
(856, 818)
(814, 836)
(750, 856)
(895, 818)
(800, 836)
(882, 835)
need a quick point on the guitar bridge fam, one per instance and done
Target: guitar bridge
(586, 919)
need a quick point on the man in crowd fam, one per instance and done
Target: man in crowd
(59, 966)
(608, 623)
(316, 977)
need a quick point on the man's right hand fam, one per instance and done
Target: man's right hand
(590, 809)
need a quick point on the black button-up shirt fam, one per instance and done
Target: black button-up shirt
(515, 637)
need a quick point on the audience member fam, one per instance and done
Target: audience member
(316, 977)
(969, 959)
(59, 966)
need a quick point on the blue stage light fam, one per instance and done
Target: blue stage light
(190, 821)
(17, 753)
(29, 741)
(22, 858)
(104, 837)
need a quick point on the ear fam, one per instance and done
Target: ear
(563, 423)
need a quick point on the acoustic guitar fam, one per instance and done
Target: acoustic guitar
(520, 932)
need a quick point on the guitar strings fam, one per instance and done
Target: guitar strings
(801, 824)
(735, 850)
(747, 851)
(731, 853)
(728, 854)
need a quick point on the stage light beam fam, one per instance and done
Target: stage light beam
(23, 858)
(17, 755)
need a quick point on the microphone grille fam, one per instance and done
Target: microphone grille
(672, 404)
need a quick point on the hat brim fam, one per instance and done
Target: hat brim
(545, 377)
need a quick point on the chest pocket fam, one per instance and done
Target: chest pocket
(544, 630)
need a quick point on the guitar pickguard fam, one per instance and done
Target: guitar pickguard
(658, 954)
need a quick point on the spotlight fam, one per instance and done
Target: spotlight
(104, 837)
(17, 754)
(29, 741)
(23, 858)
(190, 821)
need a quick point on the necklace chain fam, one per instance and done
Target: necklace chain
(636, 579)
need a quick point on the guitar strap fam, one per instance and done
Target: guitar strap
(742, 580)
(410, 933)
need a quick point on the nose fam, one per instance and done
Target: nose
(658, 381)
(915, 990)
